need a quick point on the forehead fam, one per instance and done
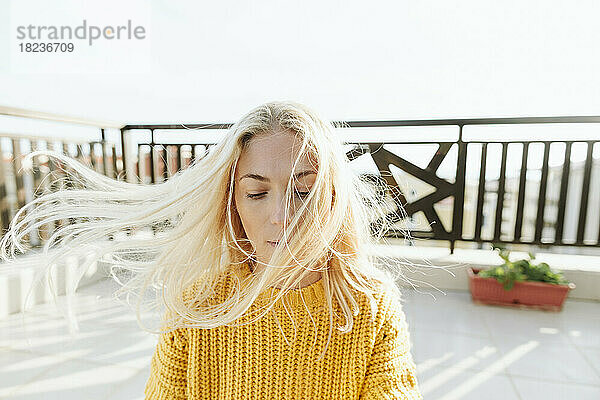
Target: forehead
(273, 155)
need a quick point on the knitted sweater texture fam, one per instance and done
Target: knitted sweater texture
(254, 361)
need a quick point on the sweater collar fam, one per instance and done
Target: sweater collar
(311, 295)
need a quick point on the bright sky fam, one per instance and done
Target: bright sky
(350, 60)
(213, 61)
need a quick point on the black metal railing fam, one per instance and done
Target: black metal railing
(515, 216)
(542, 205)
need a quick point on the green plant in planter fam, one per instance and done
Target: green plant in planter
(522, 270)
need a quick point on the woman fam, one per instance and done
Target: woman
(261, 248)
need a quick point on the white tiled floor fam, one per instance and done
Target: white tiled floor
(469, 351)
(463, 351)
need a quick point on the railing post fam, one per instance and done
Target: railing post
(124, 149)
(4, 207)
(459, 195)
(103, 142)
(152, 172)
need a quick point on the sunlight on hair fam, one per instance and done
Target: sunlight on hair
(172, 243)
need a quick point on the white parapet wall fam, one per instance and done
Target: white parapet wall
(425, 267)
(17, 278)
(430, 267)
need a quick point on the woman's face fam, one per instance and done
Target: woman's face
(261, 178)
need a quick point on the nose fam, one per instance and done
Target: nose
(278, 212)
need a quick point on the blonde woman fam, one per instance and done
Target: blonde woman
(260, 263)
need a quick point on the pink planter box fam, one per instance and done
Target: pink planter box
(540, 295)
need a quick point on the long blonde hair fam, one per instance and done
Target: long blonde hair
(198, 233)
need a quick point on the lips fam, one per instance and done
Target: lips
(272, 243)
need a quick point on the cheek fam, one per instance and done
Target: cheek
(252, 219)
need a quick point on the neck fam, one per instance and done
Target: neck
(312, 277)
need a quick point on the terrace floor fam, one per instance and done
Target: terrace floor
(463, 350)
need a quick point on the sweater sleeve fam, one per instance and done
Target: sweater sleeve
(168, 367)
(391, 373)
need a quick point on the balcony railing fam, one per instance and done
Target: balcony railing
(448, 194)
(19, 185)
(545, 206)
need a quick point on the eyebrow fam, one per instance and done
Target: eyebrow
(265, 179)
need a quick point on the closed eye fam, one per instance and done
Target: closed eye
(302, 194)
(255, 195)
(260, 195)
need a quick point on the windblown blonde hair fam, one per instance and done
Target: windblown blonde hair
(198, 233)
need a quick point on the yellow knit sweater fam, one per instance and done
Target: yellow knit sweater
(372, 361)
